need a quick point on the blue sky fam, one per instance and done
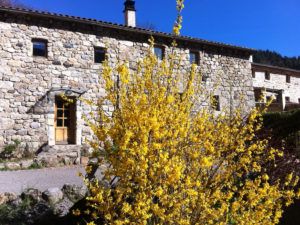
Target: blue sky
(259, 24)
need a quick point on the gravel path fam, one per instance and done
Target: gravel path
(42, 179)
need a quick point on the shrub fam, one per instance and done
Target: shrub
(171, 162)
(10, 150)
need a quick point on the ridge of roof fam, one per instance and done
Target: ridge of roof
(119, 26)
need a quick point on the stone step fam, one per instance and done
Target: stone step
(60, 155)
(61, 148)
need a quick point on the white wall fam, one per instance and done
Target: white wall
(278, 82)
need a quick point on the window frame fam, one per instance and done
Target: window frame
(253, 73)
(268, 98)
(267, 75)
(39, 40)
(96, 48)
(162, 51)
(216, 104)
(197, 56)
(288, 79)
(287, 99)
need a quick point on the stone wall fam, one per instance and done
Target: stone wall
(29, 84)
(278, 82)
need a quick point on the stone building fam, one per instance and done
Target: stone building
(44, 55)
(282, 83)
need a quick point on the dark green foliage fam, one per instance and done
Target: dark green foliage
(282, 124)
(275, 59)
(9, 150)
(12, 3)
(11, 214)
(34, 166)
(29, 212)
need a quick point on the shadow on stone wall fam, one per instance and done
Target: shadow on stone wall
(40, 107)
(41, 148)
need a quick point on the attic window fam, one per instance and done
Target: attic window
(287, 99)
(288, 78)
(269, 98)
(159, 51)
(216, 103)
(99, 54)
(194, 57)
(253, 74)
(267, 75)
(39, 47)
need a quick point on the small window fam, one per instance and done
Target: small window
(204, 78)
(159, 52)
(257, 95)
(194, 57)
(269, 98)
(287, 99)
(288, 78)
(267, 75)
(278, 98)
(99, 55)
(253, 73)
(39, 47)
(216, 103)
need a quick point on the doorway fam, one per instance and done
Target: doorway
(65, 121)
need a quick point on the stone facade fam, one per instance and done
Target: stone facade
(29, 84)
(283, 83)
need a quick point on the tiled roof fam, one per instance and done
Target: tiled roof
(259, 65)
(50, 15)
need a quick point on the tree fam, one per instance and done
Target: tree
(12, 3)
(170, 162)
(275, 59)
(283, 128)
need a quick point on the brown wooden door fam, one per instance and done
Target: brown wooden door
(65, 121)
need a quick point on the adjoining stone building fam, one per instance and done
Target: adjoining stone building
(44, 55)
(281, 83)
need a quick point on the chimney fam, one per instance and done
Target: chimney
(129, 13)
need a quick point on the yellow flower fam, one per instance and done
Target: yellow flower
(167, 161)
(76, 212)
(91, 223)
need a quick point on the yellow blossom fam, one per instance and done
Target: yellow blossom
(169, 162)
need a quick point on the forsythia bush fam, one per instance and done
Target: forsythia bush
(170, 162)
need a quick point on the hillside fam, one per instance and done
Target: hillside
(275, 59)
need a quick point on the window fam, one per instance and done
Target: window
(159, 52)
(253, 73)
(216, 103)
(288, 78)
(257, 95)
(39, 47)
(269, 98)
(267, 75)
(194, 57)
(204, 78)
(99, 54)
(287, 99)
(278, 98)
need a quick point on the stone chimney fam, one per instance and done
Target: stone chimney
(129, 13)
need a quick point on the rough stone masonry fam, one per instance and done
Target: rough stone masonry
(30, 85)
